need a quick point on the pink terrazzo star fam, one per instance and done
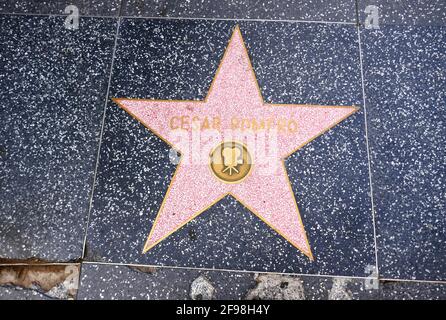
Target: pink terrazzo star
(234, 94)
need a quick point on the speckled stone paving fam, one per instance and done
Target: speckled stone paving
(307, 10)
(406, 107)
(83, 181)
(406, 12)
(52, 90)
(57, 7)
(122, 282)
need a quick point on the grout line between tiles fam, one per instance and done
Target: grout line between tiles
(361, 61)
(117, 264)
(79, 282)
(443, 282)
(262, 272)
(223, 270)
(241, 19)
(84, 246)
(121, 6)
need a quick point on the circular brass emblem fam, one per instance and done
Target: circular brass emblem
(230, 161)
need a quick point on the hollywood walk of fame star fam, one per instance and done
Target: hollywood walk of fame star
(197, 185)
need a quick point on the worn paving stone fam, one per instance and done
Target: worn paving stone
(412, 291)
(122, 282)
(314, 10)
(405, 90)
(276, 287)
(149, 283)
(406, 12)
(53, 84)
(174, 59)
(86, 7)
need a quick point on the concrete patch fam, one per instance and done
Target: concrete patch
(277, 287)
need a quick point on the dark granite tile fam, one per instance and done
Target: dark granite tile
(130, 283)
(403, 290)
(122, 282)
(148, 283)
(53, 84)
(314, 10)
(86, 7)
(405, 90)
(405, 12)
(294, 63)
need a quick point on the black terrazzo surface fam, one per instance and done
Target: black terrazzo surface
(308, 10)
(120, 282)
(406, 12)
(53, 84)
(86, 7)
(406, 96)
